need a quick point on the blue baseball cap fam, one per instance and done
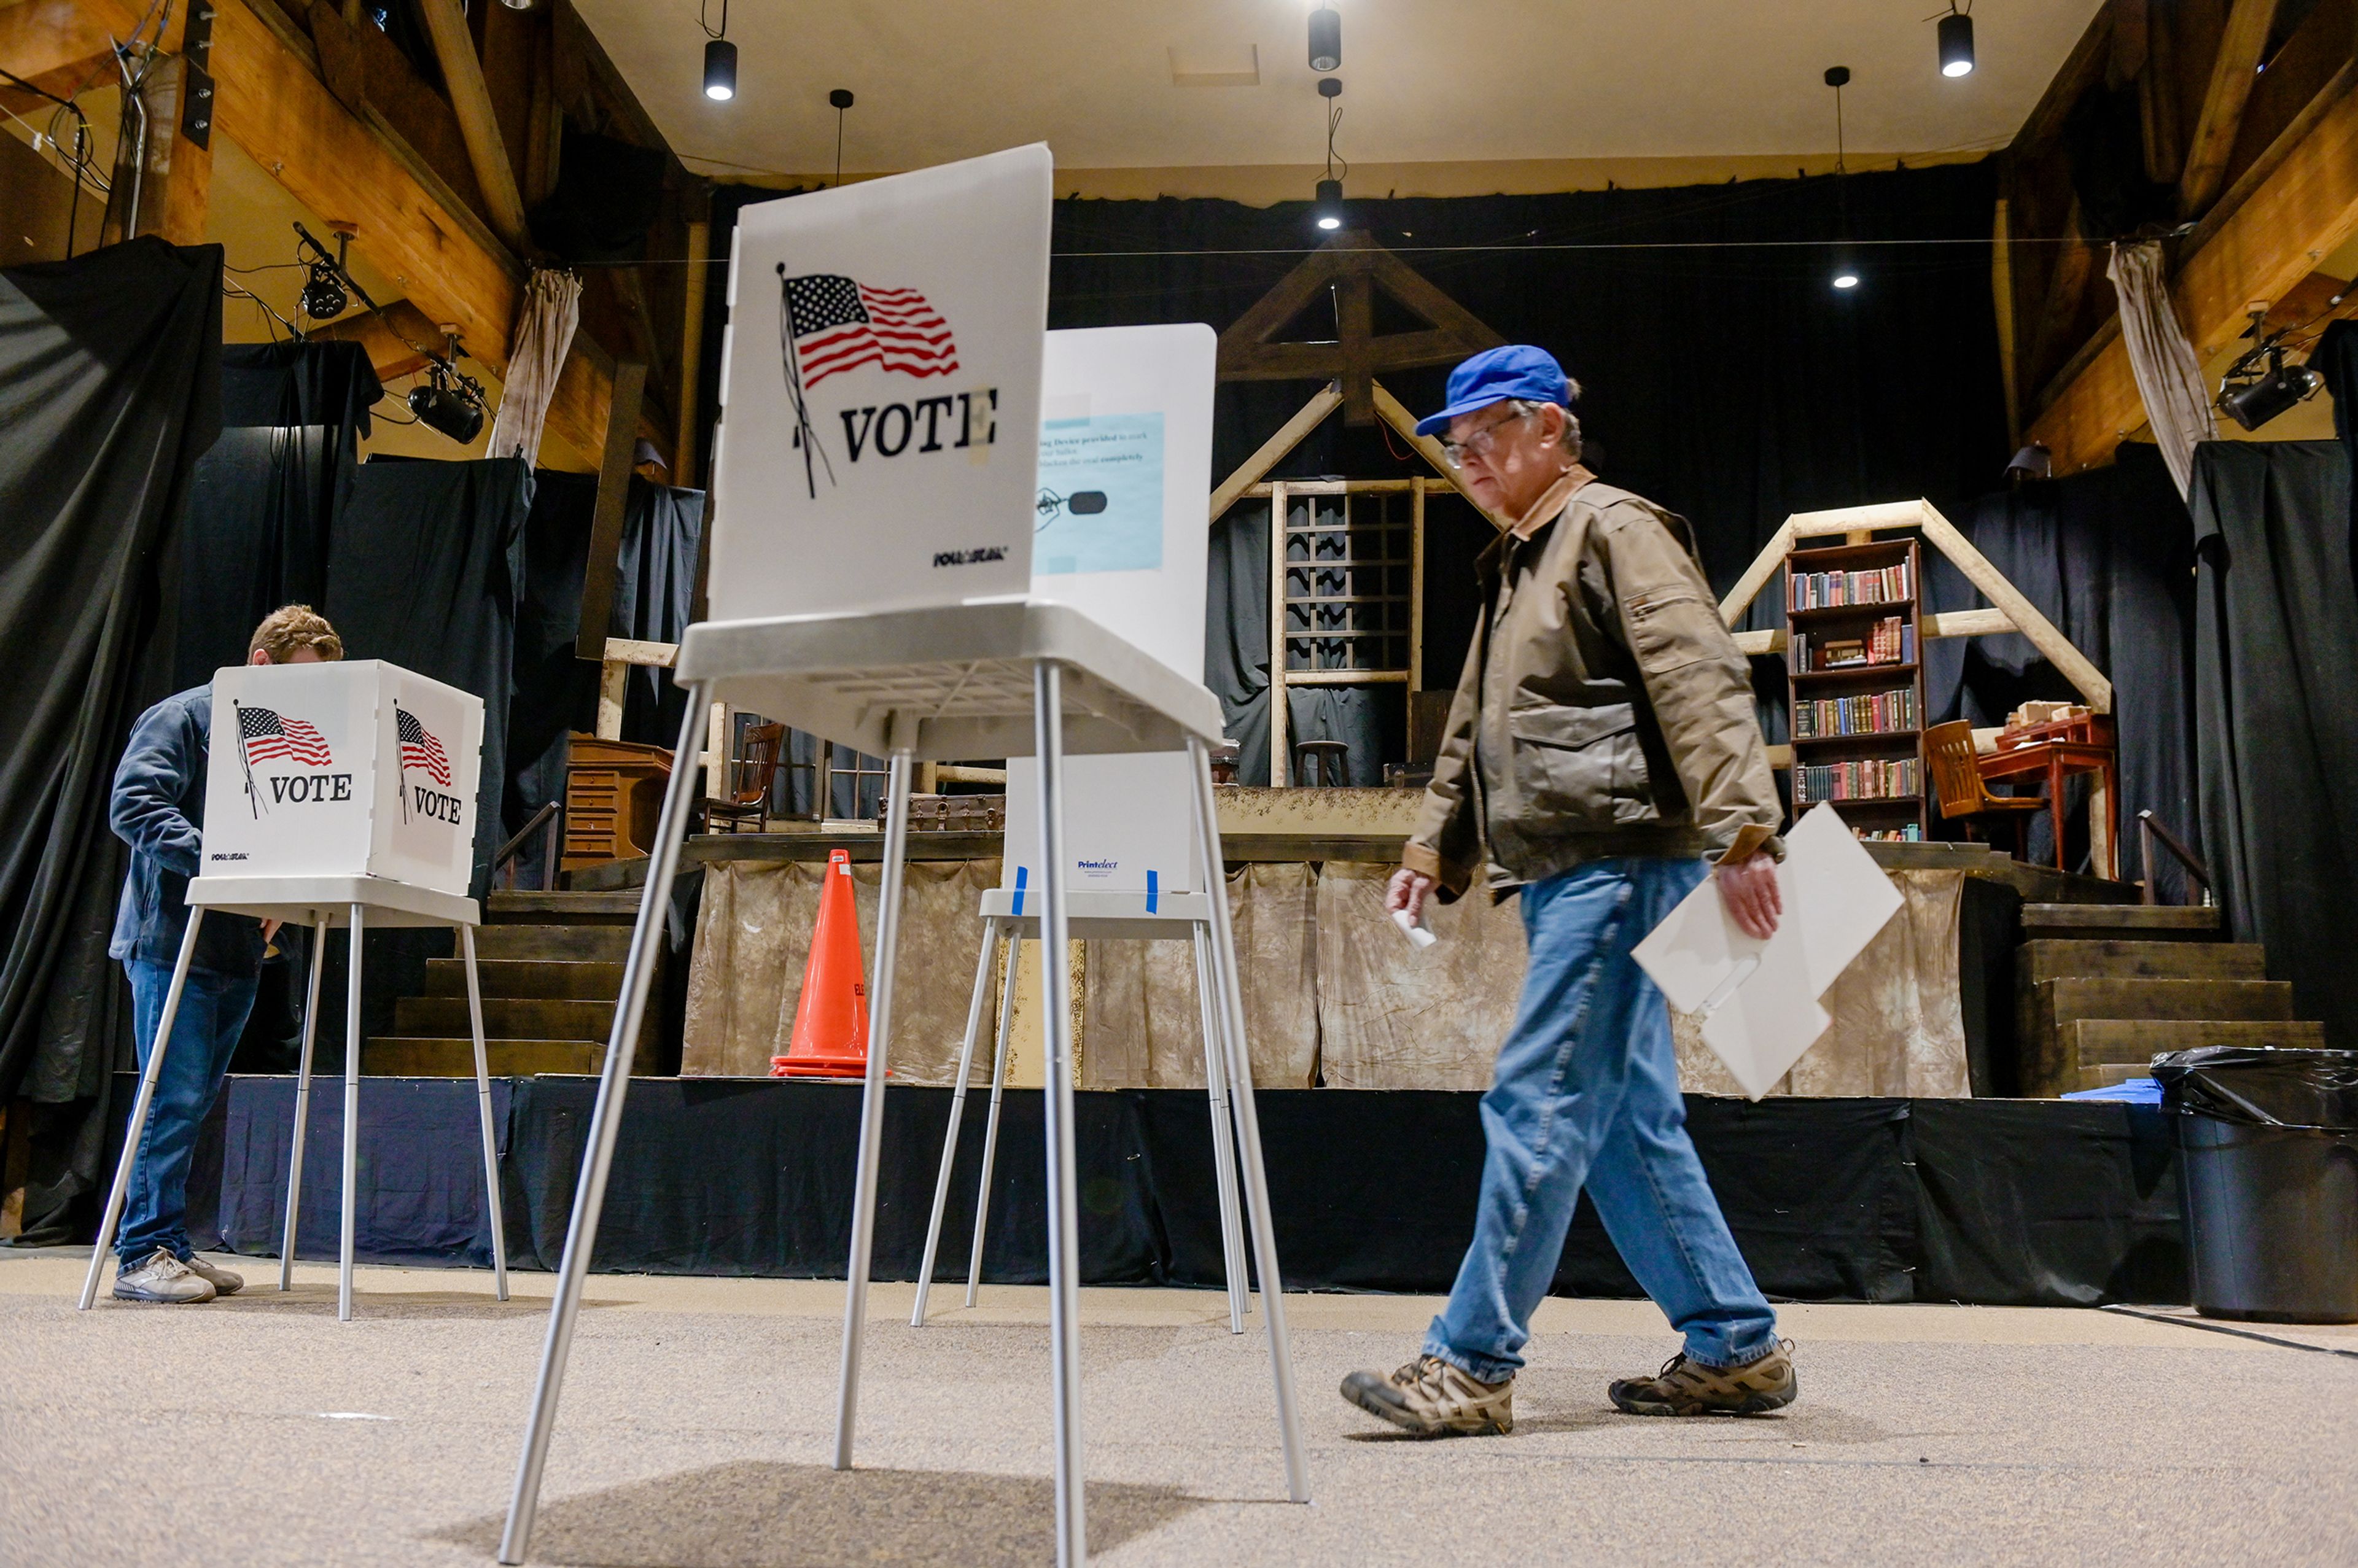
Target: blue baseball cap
(1516, 370)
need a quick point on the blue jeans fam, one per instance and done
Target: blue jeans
(204, 1036)
(1587, 1090)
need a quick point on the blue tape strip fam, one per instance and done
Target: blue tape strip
(1150, 892)
(1022, 875)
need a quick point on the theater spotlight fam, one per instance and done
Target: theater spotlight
(439, 407)
(1325, 38)
(323, 296)
(328, 285)
(2260, 385)
(1956, 34)
(720, 56)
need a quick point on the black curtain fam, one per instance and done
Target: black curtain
(2336, 359)
(554, 693)
(110, 393)
(266, 497)
(2277, 707)
(1726, 378)
(2108, 557)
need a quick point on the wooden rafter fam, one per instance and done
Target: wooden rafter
(479, 125)
(2231, 73)
(2013, 613)
(1354, 268)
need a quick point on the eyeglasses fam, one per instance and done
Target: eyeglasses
(1480, 444)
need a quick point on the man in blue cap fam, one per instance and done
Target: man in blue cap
(1601, 758)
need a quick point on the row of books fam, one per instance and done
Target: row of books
(1826, 590)
(1868, 779)
(1890, 640)
(1913, 833)
(1871, 713)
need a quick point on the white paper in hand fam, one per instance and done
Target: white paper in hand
(1761, 999)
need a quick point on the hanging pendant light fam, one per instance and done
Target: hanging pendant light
(1325, 40)
(1956, 36)
(719, 57)
(1846, 277)
(1327, 210)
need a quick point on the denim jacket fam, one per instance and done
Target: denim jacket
(158, 808)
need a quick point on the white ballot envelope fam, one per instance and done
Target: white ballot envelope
(1760, 999)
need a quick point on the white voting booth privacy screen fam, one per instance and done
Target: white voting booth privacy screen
(342, 769)
(1125, 476)
(880, 391)
(1761, 999)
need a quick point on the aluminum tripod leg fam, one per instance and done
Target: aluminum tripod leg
(957, 1112)
(140, 1108)
(605, 1122)
(351, 1121)
(991, 1122)
(303, 1102)
(1064, 1228)
(491, 1216)
(1255, 1175)
(1224, 1146)
(871, 1093)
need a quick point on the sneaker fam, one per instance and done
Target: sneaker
(1433, 1398)
(1685, 1386)
(223, 1283)
(162, 1278)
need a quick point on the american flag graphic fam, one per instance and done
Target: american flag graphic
(268, 737)
(419, 749)
(837, 323)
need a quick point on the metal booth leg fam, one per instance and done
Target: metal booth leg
(957, 1113)
(139, 1109)
(1255, 1176)
(1224, 1146)
(605, 1122)
(320, 929)
(991, 1122)
(351, 1121)
(1064, 1230)
(484, 1103)
(871, 1093)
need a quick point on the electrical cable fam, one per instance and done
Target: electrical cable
(2224, 1328)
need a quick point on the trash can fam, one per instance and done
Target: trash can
(2268, 1179)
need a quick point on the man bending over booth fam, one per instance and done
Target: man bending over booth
(1601, 758)
(158, 808)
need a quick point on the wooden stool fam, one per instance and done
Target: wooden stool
(1329, 759)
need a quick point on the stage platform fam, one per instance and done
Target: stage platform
(1988, 1202)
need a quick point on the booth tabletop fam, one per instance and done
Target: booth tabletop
(309, 899)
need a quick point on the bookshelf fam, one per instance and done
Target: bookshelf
(1854, 674)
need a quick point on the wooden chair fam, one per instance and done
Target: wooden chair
(748, 800)
(1329, 759)
(1957, 780)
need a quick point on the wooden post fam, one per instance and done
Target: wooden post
(1277, 717)
(606, 526)
(1416, 594)
(613, 690)
(685, 459)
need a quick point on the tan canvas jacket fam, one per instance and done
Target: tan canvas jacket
(1605, 710)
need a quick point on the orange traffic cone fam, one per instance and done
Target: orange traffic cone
(830, 1038)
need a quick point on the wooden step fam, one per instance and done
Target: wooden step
(2114, 922)
(506, 1018)
(592, 943)
(2063, 959)
(586, 981)
(2096, 1042)
(2069, 999)
(415, 1057)
(533, 908)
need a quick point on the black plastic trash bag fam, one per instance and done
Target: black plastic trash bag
(2263, 1086)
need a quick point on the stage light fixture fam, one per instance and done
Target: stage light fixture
(2033, 461)
(720, 55)
(324, 298)
(328, 285)
(439, 407)
(1325, 40)
(2252, 395)
(1956, 36)
(517, 5)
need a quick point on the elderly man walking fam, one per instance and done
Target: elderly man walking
(1601, 758)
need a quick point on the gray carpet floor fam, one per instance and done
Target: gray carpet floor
(698, 1417)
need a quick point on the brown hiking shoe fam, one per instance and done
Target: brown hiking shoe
(1433, 1398)
(1689, 1387)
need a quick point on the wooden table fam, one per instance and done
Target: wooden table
(2055, 751)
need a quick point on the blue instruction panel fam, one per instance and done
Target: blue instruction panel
(1101, 505)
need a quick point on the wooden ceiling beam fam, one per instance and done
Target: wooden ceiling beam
(2081, 69)
(2260, 241)
(2231, 77)
(479, 125)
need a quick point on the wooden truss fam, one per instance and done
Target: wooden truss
(2013, 613)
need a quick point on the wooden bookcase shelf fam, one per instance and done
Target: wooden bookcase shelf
(1808, 633)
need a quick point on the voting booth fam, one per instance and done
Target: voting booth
(892, 474)
(335, 795)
